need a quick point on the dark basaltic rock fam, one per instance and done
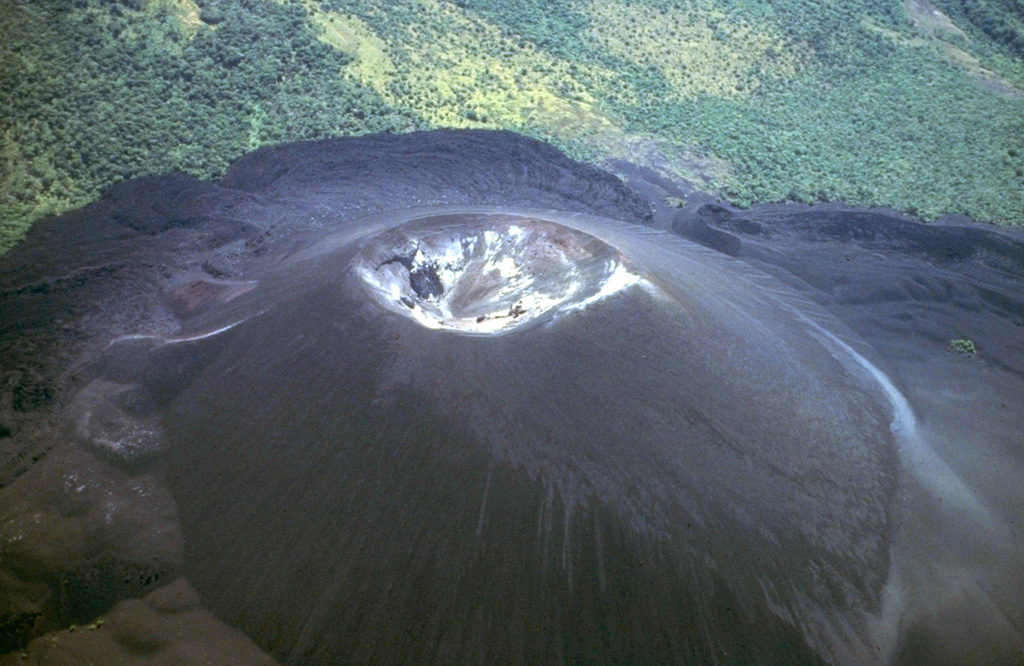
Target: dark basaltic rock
(156, 249)
(756, 461)
(697, 226)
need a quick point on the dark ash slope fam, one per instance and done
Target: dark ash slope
(90, 518)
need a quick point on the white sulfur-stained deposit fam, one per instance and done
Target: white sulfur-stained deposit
(489, 274)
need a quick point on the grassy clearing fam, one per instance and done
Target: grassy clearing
(454, 69)
(698, 53)
(186, 11)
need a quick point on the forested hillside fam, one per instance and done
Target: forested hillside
(895, 102)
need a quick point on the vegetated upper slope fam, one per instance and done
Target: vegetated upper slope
(893, 102)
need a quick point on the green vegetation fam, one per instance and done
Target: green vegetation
(892, 102)
(963, 346)
(94, 92)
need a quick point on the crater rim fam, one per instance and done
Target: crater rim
(488, 274)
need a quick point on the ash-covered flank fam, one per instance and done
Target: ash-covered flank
(446, 397)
